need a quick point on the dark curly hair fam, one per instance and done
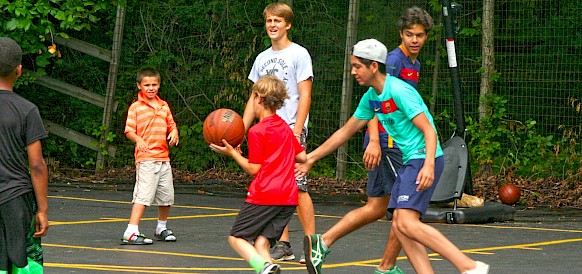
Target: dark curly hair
(415, 15)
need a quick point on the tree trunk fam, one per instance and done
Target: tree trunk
(488, 56)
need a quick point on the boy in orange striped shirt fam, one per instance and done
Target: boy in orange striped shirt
(150, 125)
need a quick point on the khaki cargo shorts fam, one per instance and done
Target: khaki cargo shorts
(153, 183)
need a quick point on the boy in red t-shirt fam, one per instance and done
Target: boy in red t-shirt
(272, 194)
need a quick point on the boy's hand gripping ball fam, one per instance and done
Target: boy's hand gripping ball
(223, 124)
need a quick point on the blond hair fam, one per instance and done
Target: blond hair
(272, 91)
(279, 9)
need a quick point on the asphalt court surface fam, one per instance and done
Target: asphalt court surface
(87, 224)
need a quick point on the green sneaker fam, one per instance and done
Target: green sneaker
(393, 270)
(314, 253)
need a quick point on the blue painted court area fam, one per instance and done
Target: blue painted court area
(87, 224)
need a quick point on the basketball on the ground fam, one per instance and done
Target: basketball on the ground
(225, 124)
(509, 194)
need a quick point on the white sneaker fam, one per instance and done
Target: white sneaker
(482, 268)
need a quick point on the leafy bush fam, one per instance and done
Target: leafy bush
(501, 145)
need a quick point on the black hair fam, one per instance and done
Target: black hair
(368, 62)
(10, 56)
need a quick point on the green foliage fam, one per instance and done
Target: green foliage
(474, 30)
(495, 75)
(500, 144)
(323, 169)
(34, 24)
(192, 152)
(102, 133)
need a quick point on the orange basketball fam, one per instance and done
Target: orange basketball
(223, 124)
(509, 194)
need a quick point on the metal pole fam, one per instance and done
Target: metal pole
(347, 85)
(452, 58)
(458, 100)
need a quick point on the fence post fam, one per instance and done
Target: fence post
(347, 84)
(112, 80)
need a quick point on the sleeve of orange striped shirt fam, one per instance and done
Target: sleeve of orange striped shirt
(170, 121)
(131, 121)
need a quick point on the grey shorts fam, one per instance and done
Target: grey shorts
(382, 178)
(153, 183)
(302, 181)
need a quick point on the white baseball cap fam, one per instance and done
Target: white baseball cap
(371, 49)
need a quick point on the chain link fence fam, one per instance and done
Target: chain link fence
(537, 47)
(204, 51)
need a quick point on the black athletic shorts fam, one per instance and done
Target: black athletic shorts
(17, 225)
(261, 220)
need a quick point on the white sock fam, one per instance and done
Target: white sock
(131, 230)
(323, 244)
(161, 226)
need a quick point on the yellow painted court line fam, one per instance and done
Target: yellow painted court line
(323, 216)
(154, 269)
(108, 268)
(150, 269)
(174, 206)
(480, 253)
(129, 203)
(117, 220)
(434, 256)
(152, 252)
(532, 248)
(524, 228)
(521, 246)
(475, 250)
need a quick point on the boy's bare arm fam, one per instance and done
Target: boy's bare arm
(373, 151)
(304, 89)
(174, 137)
(140, 144)
(301, 157)
(243, 162)
(337, 139)
(425, 176)
(249, 113)
(39, 177)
